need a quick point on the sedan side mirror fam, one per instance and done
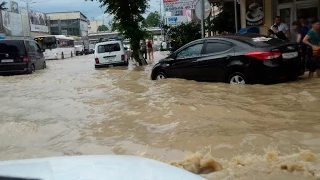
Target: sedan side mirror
(172, 55)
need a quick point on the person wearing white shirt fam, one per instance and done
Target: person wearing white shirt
(281, 27)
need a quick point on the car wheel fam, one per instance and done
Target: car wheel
(237, 78)
(160, 75)
(293, 78)
(32, 69)
(44, 64)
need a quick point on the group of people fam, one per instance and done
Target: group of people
(147, 48)
(305, 31)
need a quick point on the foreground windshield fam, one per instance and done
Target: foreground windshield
(47, 42)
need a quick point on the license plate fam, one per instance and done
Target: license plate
(289, 55)
(7, 60)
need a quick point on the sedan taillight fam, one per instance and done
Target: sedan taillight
(97, 60)
(264, 55)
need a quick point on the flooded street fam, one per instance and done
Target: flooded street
(217, 130)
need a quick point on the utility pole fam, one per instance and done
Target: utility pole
(161, 20)
(236, 15)
(202, 19)
(28, 2)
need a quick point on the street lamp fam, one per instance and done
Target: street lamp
(28, 2)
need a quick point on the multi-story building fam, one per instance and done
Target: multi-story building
(68, 23)
(93, 26)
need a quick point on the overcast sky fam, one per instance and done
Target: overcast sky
(90, 9)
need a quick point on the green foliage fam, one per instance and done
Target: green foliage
(103, 28)
(152, 20)
(183, 34)
(224, 21)
(3, 5)
(127, 19)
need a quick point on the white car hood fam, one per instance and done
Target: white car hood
(96, 167)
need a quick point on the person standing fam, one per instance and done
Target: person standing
(144, 49)
(150, 50)
(312, 39)
(281, 27)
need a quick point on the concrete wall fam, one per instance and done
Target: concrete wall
(93, 27)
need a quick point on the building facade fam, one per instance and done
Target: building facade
(68, 23)
(93, 26)
(260, 13)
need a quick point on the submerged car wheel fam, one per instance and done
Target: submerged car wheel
(32, 69)
(237, 78)
(160, 76)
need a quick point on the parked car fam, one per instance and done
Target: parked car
(110, 53)
(235, 59)
(21, 56)
(91, 47)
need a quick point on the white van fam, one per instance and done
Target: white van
(110, 53)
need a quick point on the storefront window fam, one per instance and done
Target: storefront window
(304, 11)
(284, 1)
(285, 15)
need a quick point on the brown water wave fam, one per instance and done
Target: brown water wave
(231, 132)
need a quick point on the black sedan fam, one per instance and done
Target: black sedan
(234, 59)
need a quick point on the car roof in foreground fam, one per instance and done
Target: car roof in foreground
(108, 42)
(257, 40)
(12, 40)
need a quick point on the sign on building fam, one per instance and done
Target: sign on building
(38, 22)
(176, 20)
(255, 14)
(175, 5)
(12, 23)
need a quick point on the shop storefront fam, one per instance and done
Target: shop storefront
(260, 13)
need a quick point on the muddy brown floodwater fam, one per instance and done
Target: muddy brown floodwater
(216, 130)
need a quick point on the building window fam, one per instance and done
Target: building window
(54, 22)
(284, 1)
(307, 11)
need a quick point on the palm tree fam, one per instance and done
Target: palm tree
(2, 5)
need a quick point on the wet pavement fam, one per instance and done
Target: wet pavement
(217, 130)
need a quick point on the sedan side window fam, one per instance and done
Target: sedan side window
(190, 52)
(215, 47)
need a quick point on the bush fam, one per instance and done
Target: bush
(183, 34)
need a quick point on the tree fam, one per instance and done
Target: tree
(128, 17)
(152, 20)
(103, 28)
(183, 34)
(3, 5)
